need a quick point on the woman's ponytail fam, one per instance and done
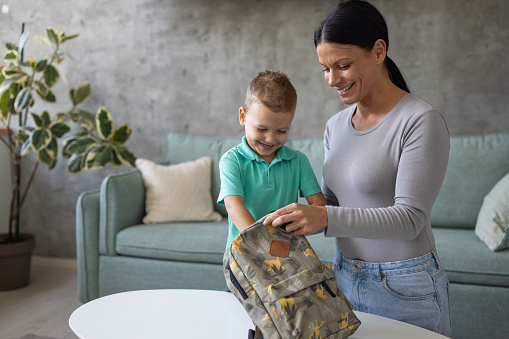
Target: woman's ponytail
(395, 74)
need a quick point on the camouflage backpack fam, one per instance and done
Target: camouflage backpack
(286, 290)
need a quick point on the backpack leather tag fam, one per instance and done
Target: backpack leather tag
(279, 248)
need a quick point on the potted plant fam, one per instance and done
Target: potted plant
(88, 141)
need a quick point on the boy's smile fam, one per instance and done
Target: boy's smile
(266, 131)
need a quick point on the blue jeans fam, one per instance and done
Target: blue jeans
(415, 291)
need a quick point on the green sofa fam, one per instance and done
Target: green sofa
(116, 252)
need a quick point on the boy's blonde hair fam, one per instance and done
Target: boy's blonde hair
(274, 90)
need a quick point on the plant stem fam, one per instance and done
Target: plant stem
(16, 214)
(18, 149)
(16, 171)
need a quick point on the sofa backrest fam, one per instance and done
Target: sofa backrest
(476, 164)
(185, 147)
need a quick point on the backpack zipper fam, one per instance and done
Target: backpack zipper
(236, 283)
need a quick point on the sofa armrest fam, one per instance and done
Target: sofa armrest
(87, 245)
(122, 204)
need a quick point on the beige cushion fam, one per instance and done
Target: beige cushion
(178, 192)
(493, 221)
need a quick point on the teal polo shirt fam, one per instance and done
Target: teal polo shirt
(265, 187)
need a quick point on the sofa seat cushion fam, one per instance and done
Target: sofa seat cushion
(202, 242)
(468, 260)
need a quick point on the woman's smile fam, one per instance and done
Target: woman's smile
(346, 89)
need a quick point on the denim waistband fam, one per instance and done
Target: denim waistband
(386, 268)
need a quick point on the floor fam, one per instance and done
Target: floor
(41, 310)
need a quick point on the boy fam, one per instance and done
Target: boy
(261, 175)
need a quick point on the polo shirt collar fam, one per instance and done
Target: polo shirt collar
(283, 153)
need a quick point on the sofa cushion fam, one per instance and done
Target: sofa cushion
(468, 260)
(180, 242)
(476, 164)
(178, 192)
(202, 242)
(185, 147)
(493, 221)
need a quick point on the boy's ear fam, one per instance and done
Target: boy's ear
(242, 116)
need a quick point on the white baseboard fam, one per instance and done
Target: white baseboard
(53, 262)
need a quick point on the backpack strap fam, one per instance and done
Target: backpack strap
(255, 334)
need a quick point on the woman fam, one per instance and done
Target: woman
(385, 160)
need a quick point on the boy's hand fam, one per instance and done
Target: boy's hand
(300, 219)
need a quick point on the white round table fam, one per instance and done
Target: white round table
(197, 314)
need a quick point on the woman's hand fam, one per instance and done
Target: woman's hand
(300, 219)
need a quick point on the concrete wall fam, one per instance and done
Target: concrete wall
(183, 65)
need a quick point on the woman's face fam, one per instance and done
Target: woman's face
(351, 70)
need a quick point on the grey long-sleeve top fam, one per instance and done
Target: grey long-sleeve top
(381, 183)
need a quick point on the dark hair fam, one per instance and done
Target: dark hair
(274, 90)
(358, 23)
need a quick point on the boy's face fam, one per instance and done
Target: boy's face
(266, 131)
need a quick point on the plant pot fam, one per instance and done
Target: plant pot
(15, 259)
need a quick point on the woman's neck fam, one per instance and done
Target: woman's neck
(372, 109)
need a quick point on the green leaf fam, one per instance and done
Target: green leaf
(22, 99)
(27, 147)
(59, 129)
(98, 157)
(22, 137)
(82, 93)
(66, 38)
(121, 134)
(18, 79)
(10, 55)
(44, 92)
(51, 75)
(4, 88)
(52, 149)
(42, 40)
(40, 139)
(10, 73)
(125, 156)
(48, 155)
(10, 45)
(45, 158)
(76, 164)
(52, 35)
(85, 118)
(80, 146)
(46, 119)
(38, 121)
(104, 123)
(41, 64)
(76, 132)
(5, 103)
(116, 161)
(22, 41)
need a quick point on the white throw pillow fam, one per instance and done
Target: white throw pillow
(493, 220)
(179, 192)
